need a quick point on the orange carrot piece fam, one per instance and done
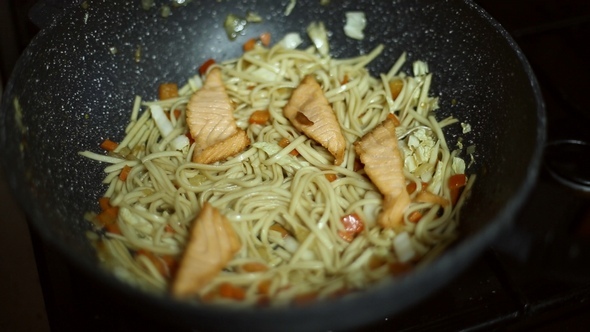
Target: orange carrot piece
(331, 177)
(457, 181)
(415, 216)
(399, 268)
(265, 38)
(411, 187)
(109, 145)
(169, 229)
(104, 203)
(278, 228)
(284, 142)
(254, 267)
(259, 117)
(165, 264)
(113, 228)
(249, 45)
(353, 225)
(230, 291)
(108, 216)
(177, 113)
(395, 87)
(306, 298)
(167, 91)
(345, 79)
(394, 118)
(124, 173)
(264, 287)
(205, 66)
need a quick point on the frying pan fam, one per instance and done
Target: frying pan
(76, 81)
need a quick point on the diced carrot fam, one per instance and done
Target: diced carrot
(205, 66)
(415, 216)
(353, 225)
(331, 177)
(263, 301)
(345, 79)
(167, 91)
(399, 268)
(265, 38)
(230, 291)
(455, 193)
(457, 181)
(264, 287)
(411, 187)
(278, 228)
(104, 203)
(394, 118)
(108, 145)
(376, 262)
(165, 264)
(284, 142)
(259, 117)
(124, 173)
(113, 228)
(395, 87)
(305, 298)
(249, 45)
(108, 216)
(254, 267)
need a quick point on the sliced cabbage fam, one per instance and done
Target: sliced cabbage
(291, 41)
(319, 37)
(403, 247)
(355, 24)
(162, 122)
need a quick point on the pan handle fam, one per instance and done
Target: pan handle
(544, 237)
(45, 12)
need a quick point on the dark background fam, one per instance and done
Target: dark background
(553, 34)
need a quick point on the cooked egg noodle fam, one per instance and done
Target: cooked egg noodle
(267, 185)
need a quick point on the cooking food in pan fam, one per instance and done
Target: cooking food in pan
(281, 177)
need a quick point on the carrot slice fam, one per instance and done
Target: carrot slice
(353, 225)
(265, 38)
(284, 142)
(167, 91)
(254, 267)
(108, 145)
(395, 119)
(104, 203)
(415, 216)
(395, 87)
(259, 117)
(278, 228)
(205, 66)
(457, 181)
(124, 173)
(249, 45)
(331, 177)
(264, 287)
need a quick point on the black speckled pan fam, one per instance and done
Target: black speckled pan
(74, 92)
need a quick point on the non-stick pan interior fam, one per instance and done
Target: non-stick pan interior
(76, 82)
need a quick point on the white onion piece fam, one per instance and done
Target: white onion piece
(403, 247)
(162, 122)
(355, 24)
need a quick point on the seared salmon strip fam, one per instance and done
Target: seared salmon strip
(211, 245)
(310, 112)
(210, 116)
(221, 150)
(379, 152)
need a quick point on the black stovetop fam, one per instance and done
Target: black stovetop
(530, 290)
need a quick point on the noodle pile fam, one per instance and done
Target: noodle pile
(269, 188)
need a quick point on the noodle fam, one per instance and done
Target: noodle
(268, 185)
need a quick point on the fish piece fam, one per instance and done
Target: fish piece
(209, 115)
(212, 244)
(310, 112)
(379, 152)
(221, 150)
